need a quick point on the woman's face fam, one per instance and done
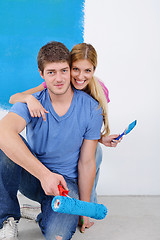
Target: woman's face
(81, 73)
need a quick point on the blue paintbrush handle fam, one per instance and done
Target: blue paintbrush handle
(119, 136)
(77, 207)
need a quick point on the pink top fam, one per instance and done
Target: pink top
(106, 92)
(44, 84)
(105, 89)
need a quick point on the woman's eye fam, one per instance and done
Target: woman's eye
(75, 69)
(88, 70)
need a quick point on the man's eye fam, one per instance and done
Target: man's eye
(64, 70)
(50, 73)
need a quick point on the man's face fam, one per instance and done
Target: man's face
(57, 77)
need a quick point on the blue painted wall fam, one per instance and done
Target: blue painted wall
(25, 26)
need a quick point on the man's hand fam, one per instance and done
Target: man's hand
(50, 183)
(85, 223)
(109, 141)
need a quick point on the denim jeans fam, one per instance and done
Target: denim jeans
(14, 178)
(98, 158)
(52, 224)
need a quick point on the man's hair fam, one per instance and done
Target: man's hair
(52, 52)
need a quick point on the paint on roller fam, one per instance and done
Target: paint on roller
(74, 206)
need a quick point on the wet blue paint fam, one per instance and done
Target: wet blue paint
(74, 206)
(25, 26)
(127, 130)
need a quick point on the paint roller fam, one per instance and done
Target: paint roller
(65, 204)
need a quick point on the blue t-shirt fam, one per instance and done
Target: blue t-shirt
(57, 141)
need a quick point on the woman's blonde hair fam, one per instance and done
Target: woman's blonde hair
(87, 51)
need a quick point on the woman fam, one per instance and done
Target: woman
(83, 65)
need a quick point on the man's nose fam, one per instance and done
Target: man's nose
(59, 77)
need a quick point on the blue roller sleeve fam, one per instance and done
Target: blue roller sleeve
(77, 207)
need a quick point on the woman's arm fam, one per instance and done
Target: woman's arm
(22, 97)
(109, 141)
(34, 106)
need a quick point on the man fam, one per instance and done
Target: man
(60, 150)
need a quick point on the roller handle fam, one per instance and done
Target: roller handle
(62, 191)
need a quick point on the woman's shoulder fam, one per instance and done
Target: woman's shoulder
(105, 89)
(44, 84)
(100, 81)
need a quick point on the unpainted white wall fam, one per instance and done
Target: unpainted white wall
(126, 35)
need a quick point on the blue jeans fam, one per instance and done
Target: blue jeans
(98, 158)
(14, 178)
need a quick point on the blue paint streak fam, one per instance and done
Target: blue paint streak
(26, 25)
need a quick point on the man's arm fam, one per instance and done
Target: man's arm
(14, 147)
(86, 174)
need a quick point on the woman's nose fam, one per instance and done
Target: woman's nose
(81, 76)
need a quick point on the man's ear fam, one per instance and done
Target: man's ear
(41, 74)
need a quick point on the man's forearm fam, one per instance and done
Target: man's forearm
(86, 176)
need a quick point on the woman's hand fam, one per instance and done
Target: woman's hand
(109, 141)
(35, 108)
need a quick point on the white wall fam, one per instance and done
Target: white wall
(126, 35)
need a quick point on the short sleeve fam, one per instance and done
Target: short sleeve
(21, 109)
(105, 89)
(93, 131)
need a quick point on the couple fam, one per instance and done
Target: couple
(59, 150)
